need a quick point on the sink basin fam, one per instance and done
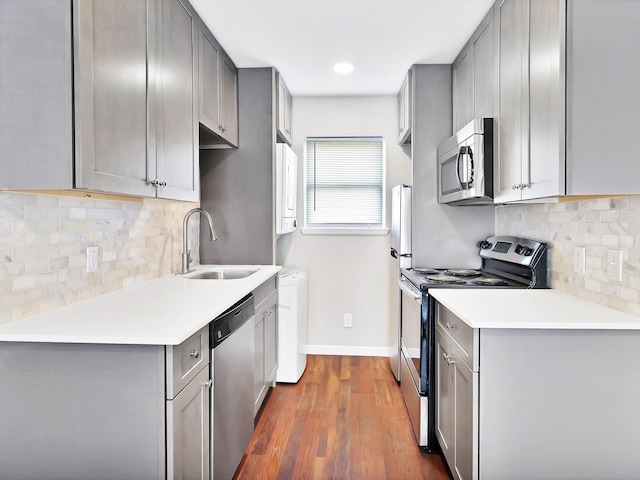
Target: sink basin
(221, 274)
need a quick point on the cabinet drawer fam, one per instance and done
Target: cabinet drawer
(261, 293)
(462, 335)
(184, 361)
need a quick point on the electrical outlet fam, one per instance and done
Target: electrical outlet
(614, 265)
(579, 260)
(348, 320)
(92, 259)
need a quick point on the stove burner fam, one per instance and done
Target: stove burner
(428, 271)
(445, 279)
(489, 281)
(464, 272)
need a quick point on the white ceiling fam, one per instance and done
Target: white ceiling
(303, 39)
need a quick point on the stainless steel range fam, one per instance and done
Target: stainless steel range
(507, 262)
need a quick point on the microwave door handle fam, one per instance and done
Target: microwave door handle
(470, 171)
(458, 158)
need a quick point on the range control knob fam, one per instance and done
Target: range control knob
(524, 251)
(484, 244)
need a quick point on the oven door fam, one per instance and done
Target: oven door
(412, 338)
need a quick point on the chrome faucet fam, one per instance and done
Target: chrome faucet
(186, 253)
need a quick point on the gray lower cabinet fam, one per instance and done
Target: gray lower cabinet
(266, 337)
(456, 406)
(93, 411)
(544, 404)
(96, 107)
(188, 436)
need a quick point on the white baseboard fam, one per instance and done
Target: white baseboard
(349, 350)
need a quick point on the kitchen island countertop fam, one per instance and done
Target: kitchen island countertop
(164, 311)
(531, 309)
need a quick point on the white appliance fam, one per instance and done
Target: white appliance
(286, 188)
(400, 258)
(292, 324)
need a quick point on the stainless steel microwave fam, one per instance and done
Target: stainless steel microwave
(465, 165)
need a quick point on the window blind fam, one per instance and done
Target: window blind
(344, 181)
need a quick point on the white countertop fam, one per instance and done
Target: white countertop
(165, 311)
(531, 308)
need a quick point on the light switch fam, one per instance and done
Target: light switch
(92, 259)
(614, 265)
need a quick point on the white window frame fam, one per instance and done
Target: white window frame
(347, 228)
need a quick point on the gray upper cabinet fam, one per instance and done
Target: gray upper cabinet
(530, 157)
(472, 76)
(97, 98)
(404, 111)
(563, 104)
(462, 80)
(218, 88)
(176, 97)
(284, 112)
(112, 155)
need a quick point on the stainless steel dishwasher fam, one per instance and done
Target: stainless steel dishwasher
(232, 344)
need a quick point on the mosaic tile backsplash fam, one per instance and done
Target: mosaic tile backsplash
(598, 225)
(43, 240)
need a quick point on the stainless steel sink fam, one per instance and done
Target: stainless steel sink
(221, 274)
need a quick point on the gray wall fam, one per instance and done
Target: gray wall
(237, 184)
(443, 235)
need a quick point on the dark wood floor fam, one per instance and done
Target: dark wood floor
(344, 419)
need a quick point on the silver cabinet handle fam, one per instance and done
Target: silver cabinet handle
(194, 353)
(155, 182)
(450, 326)
(208, 384)
(449, 360)
(514, 187)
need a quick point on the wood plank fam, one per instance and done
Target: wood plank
(344, 419)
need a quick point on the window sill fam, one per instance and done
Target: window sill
(343, 231)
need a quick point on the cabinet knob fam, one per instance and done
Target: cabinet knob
(155, 182)
(449, 360)
(223, 128)
(194, 353)
(450, 326)
(208, 384)
(514, 187)
(164, 183)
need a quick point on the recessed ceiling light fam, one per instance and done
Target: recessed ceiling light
(343, 67)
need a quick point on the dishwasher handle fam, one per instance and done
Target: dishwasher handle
(231, 320)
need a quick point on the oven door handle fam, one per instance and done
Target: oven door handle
(416, 296)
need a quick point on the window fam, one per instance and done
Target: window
(344, 185)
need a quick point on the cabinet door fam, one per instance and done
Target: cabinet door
(228, 100)
(188, 417)
(208, 79)
(483, 71)
(545, 172)
(404, 111)
(462, 78)
(113, 126)
(466, 433)
(175, 108)
(285, 107)
(36, 95)
(258, 371)
(271, 345)
(445, 399)
(509, 150)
